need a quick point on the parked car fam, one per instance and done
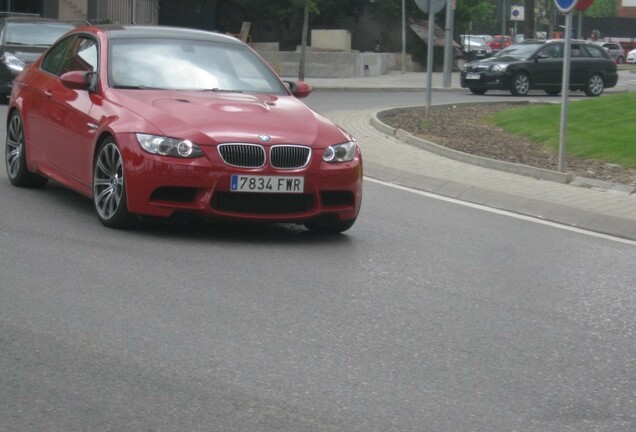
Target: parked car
(22, 40)
(631, 56)
(499, 42)
(475, 47)
(156, 121)
(538, 64)
(615, 51)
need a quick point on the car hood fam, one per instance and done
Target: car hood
(218, 117)
(26, 54)
(496, 60)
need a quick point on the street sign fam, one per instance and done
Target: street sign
(565, 5)
(517, 13)
(436, 5)
(582, 5)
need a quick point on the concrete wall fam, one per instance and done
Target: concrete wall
(330, 64)
(335, 40)
(73, 10)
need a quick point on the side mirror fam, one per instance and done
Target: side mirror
(300, 89)
(79, 80)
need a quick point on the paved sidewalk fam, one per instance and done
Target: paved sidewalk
(389, 159)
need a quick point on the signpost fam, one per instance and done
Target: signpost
(565, 6)
(430, 7)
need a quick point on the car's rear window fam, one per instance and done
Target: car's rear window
(596, 51)
(35, 33)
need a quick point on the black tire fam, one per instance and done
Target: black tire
(594, 85)
(109, 187)
(553, 92)
(15, 156)
(329, 226)
(520, 84)
(620, 60)
(477, 90)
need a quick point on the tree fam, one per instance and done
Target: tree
(529, 21)
(475, 16)
(603, 9)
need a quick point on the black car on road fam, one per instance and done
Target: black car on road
(22, 41)
(538, 64)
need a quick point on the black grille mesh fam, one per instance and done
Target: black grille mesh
(289, 157)
(243, 155)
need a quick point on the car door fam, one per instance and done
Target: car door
(579, 65)
(61, 119)
(548, 66)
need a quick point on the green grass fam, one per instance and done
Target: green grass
(597, 128)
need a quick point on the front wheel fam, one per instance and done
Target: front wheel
(478, 90)
(109, 187)
(520, 84)
(15, 156)
(329, 226)
(595, 85)
(620, 60)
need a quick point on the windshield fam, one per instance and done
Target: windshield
(519, 51)
(35, 33)
(474, 43)
(174, 64)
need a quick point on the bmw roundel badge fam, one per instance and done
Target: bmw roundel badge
(264, 138)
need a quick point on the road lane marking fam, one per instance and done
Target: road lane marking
(533, 219)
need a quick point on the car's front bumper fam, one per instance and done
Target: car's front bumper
(161, 186)
(486, 79)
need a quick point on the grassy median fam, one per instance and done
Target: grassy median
(598, 128)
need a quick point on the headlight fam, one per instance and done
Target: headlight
(340, 152)
(13, 62)
(165, 146)
(500, 67)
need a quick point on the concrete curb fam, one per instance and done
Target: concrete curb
(514, 168)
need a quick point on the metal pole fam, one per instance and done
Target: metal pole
(565, 87)
(429, 56)
(403, 35)
(503, 19)
(448, 45)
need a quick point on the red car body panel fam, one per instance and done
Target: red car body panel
(63, 128)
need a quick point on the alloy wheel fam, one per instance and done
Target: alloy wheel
(15, 146)
(521, 85)
(595, 85)
(108, 181)
(16, 156)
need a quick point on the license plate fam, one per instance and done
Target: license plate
(473, 76)
(267, 184)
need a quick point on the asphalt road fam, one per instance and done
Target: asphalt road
(427, 315)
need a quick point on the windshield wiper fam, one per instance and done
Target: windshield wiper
(219, 90)
(136, 87)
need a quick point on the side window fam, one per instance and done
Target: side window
(577, 52)
(81, 56)
(596, 51)
(56, 56)
(552, 51)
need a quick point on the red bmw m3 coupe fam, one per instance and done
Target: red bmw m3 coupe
(153, 121)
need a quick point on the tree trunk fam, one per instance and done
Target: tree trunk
(303, 44)
(529, 21)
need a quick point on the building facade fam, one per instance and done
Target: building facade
(116, 11)
(627, 8)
